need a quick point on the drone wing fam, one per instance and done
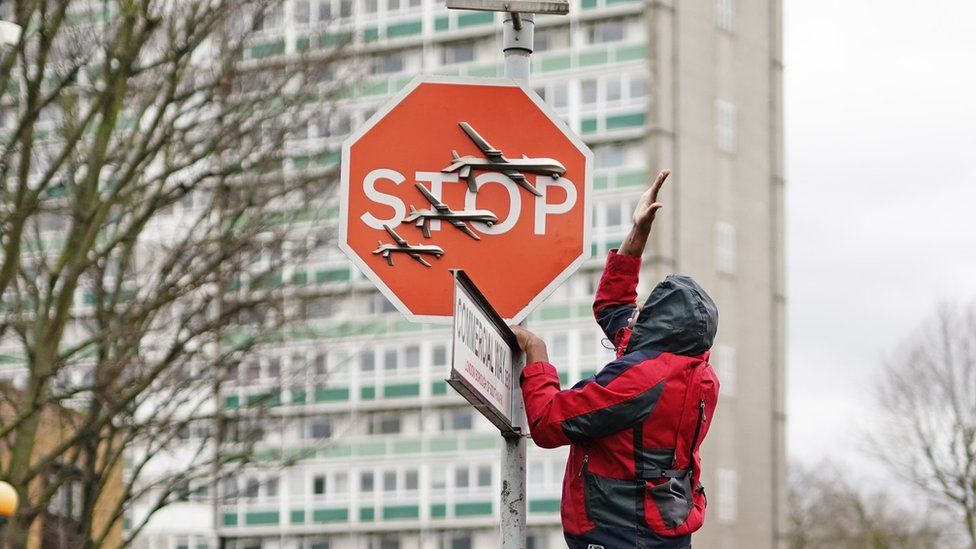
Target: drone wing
(463, 227)
(490, 152)
(422, 261)
(522, 181)
(437, 204)
(396, 237)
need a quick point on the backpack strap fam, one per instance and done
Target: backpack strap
(664, 473)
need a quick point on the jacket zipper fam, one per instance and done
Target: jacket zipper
(586, 460)
(694, 439)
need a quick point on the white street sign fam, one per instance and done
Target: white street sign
(483, 355)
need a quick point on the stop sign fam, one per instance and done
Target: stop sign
(468, 174)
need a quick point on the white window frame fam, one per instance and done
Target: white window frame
(725, 125)
(725, 247)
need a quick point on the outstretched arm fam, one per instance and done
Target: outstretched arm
(647, 208)
(616, 297)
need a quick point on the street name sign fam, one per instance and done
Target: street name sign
(471, 174)
(483, 355)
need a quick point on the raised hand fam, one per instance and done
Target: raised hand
(648, 205)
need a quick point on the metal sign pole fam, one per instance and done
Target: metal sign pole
(518, 41)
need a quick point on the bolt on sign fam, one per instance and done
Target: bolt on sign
(471, 174)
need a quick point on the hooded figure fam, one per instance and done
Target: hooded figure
(635, 427)
(678, 317)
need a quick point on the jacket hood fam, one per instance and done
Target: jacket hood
(678, 317)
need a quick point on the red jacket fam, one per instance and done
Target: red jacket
(634, 428)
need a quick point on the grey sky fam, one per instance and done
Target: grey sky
(881, 170)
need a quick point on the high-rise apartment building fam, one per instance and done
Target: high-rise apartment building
(392, 458)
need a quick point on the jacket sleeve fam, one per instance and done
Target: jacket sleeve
(589, 412)
(616, 296)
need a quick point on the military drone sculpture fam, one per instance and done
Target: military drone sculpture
(441, 211)
(495, 161)
(401, 246)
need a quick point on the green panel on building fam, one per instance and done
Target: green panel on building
(371, 449)
(600, 182)
(481, 443)
(367, 513)
(266, 50)
(544, 506)
(631, 53)
(473, 508)
(442, 23)
(332, 275)
(371, 34)
(408, 28)
(443, 444)
(394, 512)
(230, 519)
(367, 393)
(301, 277)
(298, 516)
(475, 18)
(588, 125)
(261, 518)
(632, 179)
(331, 394)
(483, 71)
(555, 312)
(439, 388)
(618, 121)
(587, 4)
(330, 39)
(599, 57)
(232, 402)
(408, 446)
(340, 514)
(303, 43)
(438, 510)
(298, 396)
(401, 390)
(556, 63)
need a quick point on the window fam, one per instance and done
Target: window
(560, 346)
(484, 475)
(366, 481)
(379, 304)
(614, 217)
(461, 477)
(724, 14)
(390, 360)
(438, 478)
(318, 485)
(389, 543)
(321, 428)
(723, 360)
(411, 357)
(440, 355)
(458, 52)
(461, 541)
(411, 480)
(606, 31)
(588, 92)
(458, 419)
(535, 476)
(394, 62)
(725, 125)
(271, 488)
(340, 483)
(251, 489)
(609, 155)
(367, 362)
(637, 86)
(370, 6)
(389, 481)
(345, 8)
(325, 10)
(559, 97)
(384, 424)
(725, 247)
(320, 307)
(612, 90)
(726, 494)
(301, 13)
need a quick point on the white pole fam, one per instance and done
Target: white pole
(518, 38)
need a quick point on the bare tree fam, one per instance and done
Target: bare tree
(148, 218)
(828, 512)
(927, 402)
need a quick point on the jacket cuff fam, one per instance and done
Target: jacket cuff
(623, 264)
(537, 368)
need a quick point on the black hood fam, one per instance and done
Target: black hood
(678, 317)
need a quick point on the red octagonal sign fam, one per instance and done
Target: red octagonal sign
(465, 174)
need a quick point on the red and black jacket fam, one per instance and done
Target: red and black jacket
(634, 428)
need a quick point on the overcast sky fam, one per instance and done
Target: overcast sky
(881, 172)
